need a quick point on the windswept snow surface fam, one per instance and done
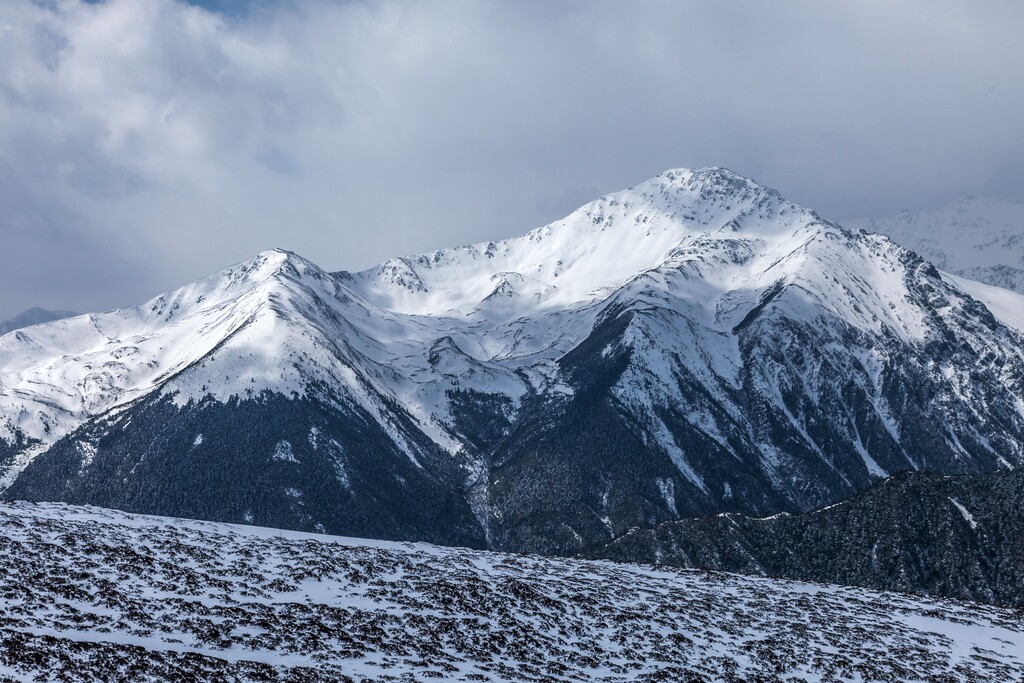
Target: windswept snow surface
(96, 595)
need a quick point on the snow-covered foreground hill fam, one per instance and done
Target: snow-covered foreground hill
(977, 238)
(88, 594)
(692, 345)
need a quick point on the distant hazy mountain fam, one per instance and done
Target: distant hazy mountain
(33, 316)
(692, 345)
(976, 238)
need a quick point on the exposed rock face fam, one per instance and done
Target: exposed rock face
(958, 537)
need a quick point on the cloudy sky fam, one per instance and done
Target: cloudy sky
(145, 143)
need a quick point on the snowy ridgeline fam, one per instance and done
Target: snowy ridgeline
(93, 594)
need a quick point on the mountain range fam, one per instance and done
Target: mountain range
(694, 345)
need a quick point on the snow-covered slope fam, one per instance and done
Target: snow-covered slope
(690, 345)
(977, 238)
(1007, 305)
(271, 332)
(97, 595)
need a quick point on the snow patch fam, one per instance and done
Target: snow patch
(338, 462)
(963, 511)
(88, 452)
(283, 452)
(668, 493)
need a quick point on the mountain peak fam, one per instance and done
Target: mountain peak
(264, 269)
(589, 253)
(275, 259)
(709, 184)
(703, 173)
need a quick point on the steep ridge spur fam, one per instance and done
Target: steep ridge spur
(956, 537)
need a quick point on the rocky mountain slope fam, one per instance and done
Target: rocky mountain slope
(977, 238)
(33, 316)
(96, 595)
(960, 537)
(692, 345)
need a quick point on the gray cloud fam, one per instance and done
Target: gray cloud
(160, 141)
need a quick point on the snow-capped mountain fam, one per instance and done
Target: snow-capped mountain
(977, 238)
(33, 316)
(691, 345)
(96, 595)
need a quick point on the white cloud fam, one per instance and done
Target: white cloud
(147, 142)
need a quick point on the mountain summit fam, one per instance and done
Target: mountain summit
(694, 344)
(585, 256)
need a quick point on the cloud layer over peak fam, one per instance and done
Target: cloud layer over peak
(147, 142)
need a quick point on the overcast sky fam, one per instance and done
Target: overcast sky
(146, 143)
